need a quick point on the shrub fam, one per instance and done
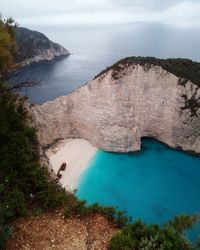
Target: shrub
(121, 242)
(8, 46)
(139, 236)
(24, 184)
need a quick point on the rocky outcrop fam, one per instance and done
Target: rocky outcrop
(119, 107)
(34, 46)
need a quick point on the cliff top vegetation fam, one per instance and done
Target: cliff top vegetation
(182, 68)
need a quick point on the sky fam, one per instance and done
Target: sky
(57, 12)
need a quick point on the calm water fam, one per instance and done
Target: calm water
(94, 48)
(154, 184)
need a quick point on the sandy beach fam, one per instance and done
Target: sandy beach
(76, 153)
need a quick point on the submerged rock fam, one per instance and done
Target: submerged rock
(122, 105)
(34, 46)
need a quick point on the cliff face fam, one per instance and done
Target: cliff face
(118, 108)
(34, 46)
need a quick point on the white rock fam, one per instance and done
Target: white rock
(114, 114)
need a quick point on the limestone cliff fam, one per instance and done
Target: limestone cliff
(34, 46)
(123, 104)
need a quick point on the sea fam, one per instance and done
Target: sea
(156, 183)
(93, 48)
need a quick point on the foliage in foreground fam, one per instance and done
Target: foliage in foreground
(140, 236)
(24, 185)
(8, 46)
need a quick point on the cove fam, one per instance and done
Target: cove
(153, 185)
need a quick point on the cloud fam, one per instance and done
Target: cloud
(151, 5)
(184, 13)
(28, 8)
(30, 12)
(94, 18)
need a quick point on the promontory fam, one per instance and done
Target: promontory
(33, 46)
(134, 98)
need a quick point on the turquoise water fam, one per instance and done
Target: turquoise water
(154, 184)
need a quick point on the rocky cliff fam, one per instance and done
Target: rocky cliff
(128, 101)
(34, 46)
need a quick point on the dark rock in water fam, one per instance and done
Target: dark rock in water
(34, 46)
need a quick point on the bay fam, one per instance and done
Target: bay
(94, 48)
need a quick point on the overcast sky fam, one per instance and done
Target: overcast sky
(42, 12)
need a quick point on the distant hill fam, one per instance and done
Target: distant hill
(34, 46)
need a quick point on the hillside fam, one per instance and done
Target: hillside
(34, 46)
(51, 231)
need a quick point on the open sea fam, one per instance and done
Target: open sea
(156, 183)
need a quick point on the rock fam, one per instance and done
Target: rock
(34, 46)
(116, 109)
(63, 166)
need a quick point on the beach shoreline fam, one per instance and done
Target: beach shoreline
(76, 153)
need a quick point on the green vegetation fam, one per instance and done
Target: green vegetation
(79, 208)
(139, 236)
(8, 46)
(192, 103)
(184, 68)
(23, 183)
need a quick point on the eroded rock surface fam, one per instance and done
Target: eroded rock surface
(118, 108)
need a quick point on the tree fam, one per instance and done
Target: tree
(8, 47)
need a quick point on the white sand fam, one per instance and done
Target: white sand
(76, 153)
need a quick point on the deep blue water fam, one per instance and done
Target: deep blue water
(94, 48)
(154, 184)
